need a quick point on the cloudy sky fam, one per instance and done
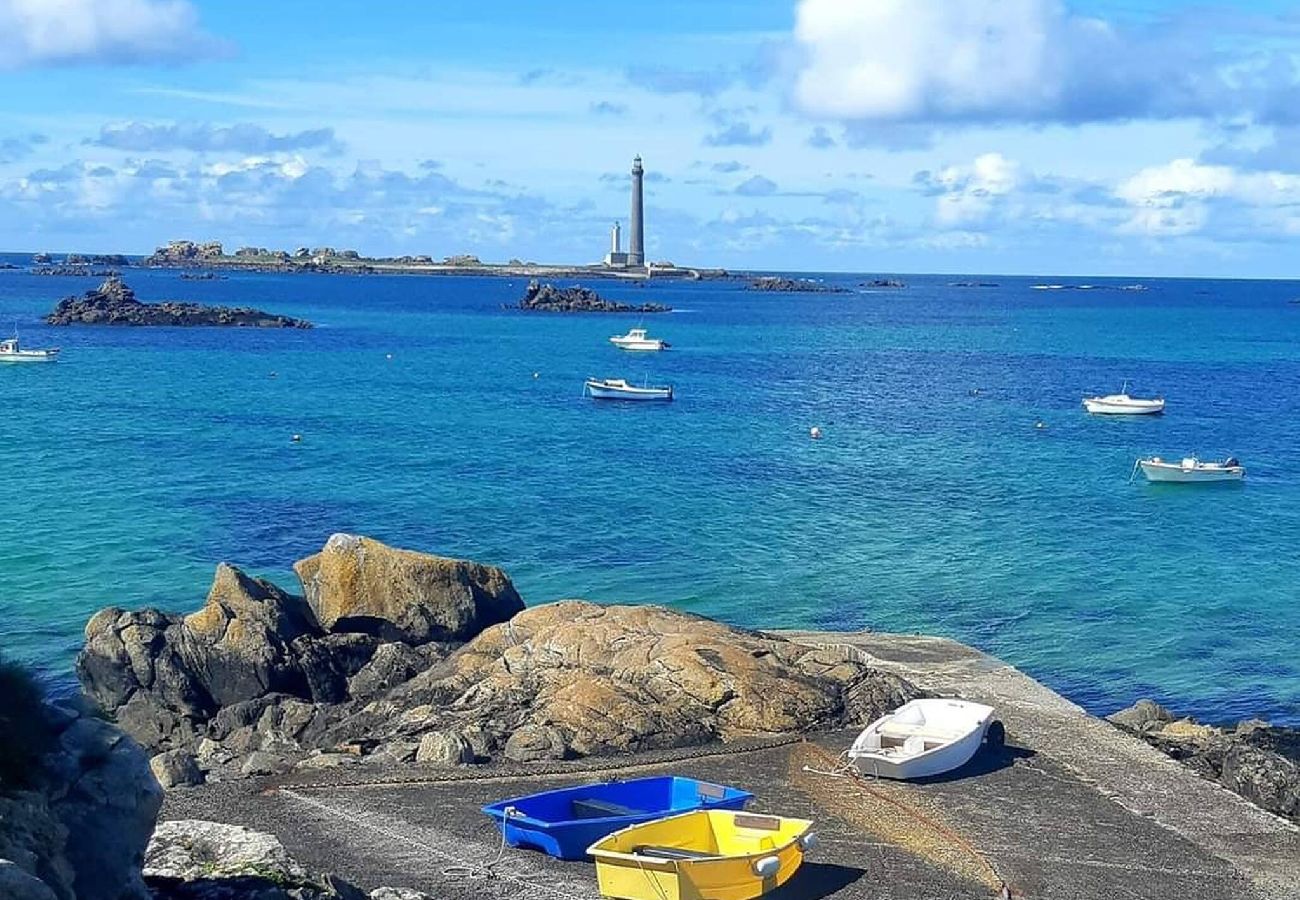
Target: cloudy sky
(1000, 136)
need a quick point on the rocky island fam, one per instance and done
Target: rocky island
(113, 303)
(782, 285)
(539, 297)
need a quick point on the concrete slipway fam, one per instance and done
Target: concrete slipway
(1072, 809)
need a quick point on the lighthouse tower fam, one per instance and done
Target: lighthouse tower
(636, 234)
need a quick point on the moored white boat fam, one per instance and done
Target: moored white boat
(921, 738)
(11, 351)
(637, 339)
(1191, 470)
(1122, 404)
(619, 389)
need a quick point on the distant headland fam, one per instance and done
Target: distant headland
(186, 254)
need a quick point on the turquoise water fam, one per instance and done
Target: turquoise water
(145, 456)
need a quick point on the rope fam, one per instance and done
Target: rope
(459, 868)
(839, 767)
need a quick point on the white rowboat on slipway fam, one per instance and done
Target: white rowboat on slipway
(1122, 404)
(10, 351)
(619, 389)
(921, 738)
(636, 339)
(1191, 470)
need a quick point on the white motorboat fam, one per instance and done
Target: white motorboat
(12, 351)
(619, 389)
(636, 339)
(921, 738)
(1122, 404)
(1191, 470)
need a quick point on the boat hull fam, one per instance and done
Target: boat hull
(954, 734)
(565, 822)
(30, 356)
(1101, 407)
(650, 345)
(1169, 473)
(598, 391)
(729, 856)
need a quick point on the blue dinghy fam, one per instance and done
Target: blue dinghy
(564, 823)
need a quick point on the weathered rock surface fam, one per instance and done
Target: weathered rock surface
(190, 859)
(113, 303)
(549, 298)
(358, 584)
(401, 657)
(80, 830)
(576, 679)
(176, 768)
(1261, 762)
(782, 285)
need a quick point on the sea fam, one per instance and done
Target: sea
(958, 488)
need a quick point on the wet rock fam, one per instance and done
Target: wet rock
(358, 584)
(113, 303)
(539, 297)
(176, 768)
(782, 285)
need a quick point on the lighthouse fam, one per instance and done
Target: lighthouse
(636, 234)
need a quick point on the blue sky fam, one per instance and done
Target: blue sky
(1107, 137)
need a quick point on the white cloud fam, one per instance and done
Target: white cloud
(969, 194)
(955, 61)
(1175, 198)
(54, 32)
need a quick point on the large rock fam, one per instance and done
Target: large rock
(575, 678)
(1259, 761)
(164, 676)
(82, 829)
(19, 884)
(358, 584)
(113, 303)
(539, 297)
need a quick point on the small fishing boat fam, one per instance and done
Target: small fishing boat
(921, 738)
(710, 853)
(636, 339)
(1122, 404)
(11, 351)
(564, 822)
(1191, 470)
(619, 389)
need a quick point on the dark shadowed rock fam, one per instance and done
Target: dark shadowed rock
(358, 584)
(782, 285)
(113, 303)
(1259, 761)
(539, 297)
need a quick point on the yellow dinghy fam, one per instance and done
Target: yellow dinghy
(703, 855)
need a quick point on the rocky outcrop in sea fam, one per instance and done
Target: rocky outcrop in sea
(75, 820)
(113, 303)
(395, 657)
(1259, 761)
(549, 298)
(783, 285)
(77, 271)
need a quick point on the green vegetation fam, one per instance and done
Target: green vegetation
(25, 732)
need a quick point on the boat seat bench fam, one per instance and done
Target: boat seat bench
(672, 853)
(590, 808)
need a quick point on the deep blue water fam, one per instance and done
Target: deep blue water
(143, 457)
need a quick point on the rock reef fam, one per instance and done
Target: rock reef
(1261, 762)
(540, 297)
(113, 303)
(392, 656)
(778, 284)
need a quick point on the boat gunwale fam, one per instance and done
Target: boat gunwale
(674, 865)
